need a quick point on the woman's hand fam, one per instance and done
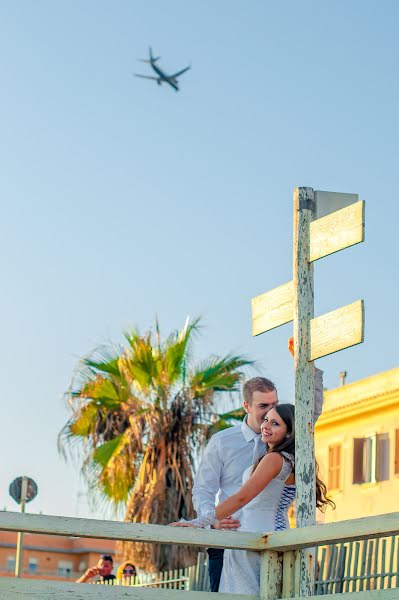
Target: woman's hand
(227, 523)
(181, 524)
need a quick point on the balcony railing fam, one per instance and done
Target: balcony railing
(279, 550)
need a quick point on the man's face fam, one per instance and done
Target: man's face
(261, 403)
(104, 567)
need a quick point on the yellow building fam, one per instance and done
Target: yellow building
(357, 446)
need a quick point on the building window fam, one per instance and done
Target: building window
(65, 568)
(33, 565)
(10, 563)
(82, 565)
(397, 452)
(334, 467)
(371, 458)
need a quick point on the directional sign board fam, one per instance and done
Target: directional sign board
(333, 331)
(273, 309)
(341, 224)
(337, 231)
(329, 202)
(337, 330)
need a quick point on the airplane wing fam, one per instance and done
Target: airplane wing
(146, 77)
(180, 72)
(174, 86)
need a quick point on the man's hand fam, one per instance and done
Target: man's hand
(88, 574)
(227, 523)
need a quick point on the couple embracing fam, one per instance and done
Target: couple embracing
(251, 468)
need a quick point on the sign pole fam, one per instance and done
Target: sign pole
(303, 313)
(18, 557)
(324, 223)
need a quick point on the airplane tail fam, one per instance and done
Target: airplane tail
(153, 58)
(150, 60)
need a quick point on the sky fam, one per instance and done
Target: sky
(123, 200)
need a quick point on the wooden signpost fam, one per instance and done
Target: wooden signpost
(341, 224)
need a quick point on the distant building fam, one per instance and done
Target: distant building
(357, 446)
(52, 557)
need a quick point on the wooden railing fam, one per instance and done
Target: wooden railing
(278, 551)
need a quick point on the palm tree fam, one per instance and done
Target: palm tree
(140, 414)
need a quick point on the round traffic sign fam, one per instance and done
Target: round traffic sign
(16, 490)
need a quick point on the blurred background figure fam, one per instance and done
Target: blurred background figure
(126, 570)
(103, 569)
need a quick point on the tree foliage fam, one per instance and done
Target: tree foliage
(139, 415)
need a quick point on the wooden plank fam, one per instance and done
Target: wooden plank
(392, 594)
(341, 569)
(356, 567)
(348, 568)
(337, 231)
(273, 308)
(320, 587)
(270, 575)
(20, 589)
(140, 532)
(280, 541)
(391, 559)
(397, 562)
(305, 477)
(362, 581)
(288, 587)
(337, 330)
(332, 559)
(329, 202)
(376, 567)
(333, 533)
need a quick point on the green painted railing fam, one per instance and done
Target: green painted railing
(278, 550)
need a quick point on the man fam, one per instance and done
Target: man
(104, 569)
(233, 450)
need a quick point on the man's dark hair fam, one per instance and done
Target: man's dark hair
(257, 384)
(107, 557)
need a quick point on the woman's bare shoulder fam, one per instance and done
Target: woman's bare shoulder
(271, 460)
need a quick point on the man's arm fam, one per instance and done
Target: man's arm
(207, 480)
(88, 574)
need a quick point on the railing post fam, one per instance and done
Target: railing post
(288, 587)
(270, 575)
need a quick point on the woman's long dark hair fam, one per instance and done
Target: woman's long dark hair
(287, 414)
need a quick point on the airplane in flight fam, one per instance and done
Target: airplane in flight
(162, 77)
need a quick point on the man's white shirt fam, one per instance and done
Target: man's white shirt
(228, 454)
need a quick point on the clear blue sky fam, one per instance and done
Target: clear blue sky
(122, 200)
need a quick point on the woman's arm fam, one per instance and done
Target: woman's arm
(268, 468)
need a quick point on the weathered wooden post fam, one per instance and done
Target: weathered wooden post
(334, 229)
(303, 300)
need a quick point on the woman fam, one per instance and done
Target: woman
(126, 570)
(267, 492)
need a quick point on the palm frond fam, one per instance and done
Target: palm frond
(218, 374)
(101, 391)
(233, 415)
(226, 420)
(108, 450)
(176, 350)
(140, 361)
(85, 421)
